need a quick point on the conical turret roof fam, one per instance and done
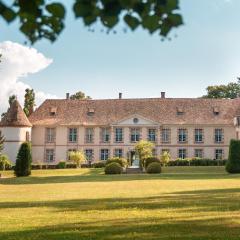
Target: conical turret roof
(15, 117)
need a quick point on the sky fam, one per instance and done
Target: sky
(204, 51)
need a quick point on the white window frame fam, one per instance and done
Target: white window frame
(118, 134)
(152, 134)
(50, 135)
(197, 151)
(135, 135)
(89, 135)
(198, 135)
(182, 153)
(104, 154)
(182, 135)
(105, 135)
(89, 154)
(49, 155)
(219, 152)
(72, 135)
(165, 135)
(218, 135)
(118, 152)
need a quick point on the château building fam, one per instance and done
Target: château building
(186, 127)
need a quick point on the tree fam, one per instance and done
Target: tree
(29, 101)
(5, 163)
(39, 19)
(11, 99)
(79, 95)
(78, 157)
(233, 163)
(165, 158)
(144, 149)
(24, 160)
(231, 90)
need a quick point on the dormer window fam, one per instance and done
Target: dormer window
(53, 111)
(91, 111)
(180, 111)
(216, 111)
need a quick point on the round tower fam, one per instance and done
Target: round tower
(16, 129)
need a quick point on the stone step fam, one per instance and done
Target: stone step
(133, 170)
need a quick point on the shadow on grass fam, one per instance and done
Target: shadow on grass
(98, 176)
(129, 228)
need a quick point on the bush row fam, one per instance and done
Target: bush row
(197, 162)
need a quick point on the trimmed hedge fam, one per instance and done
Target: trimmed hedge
(154, 167)
(150, 160)
(61, 165)
(24, 160)
(122, 161)
(113, 168)
(197, 162)
(233, 163)
(99, 164)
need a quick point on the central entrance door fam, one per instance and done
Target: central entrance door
(134, 160)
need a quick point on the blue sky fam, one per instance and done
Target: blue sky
(206, 51)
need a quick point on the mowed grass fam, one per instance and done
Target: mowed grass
(181, 203)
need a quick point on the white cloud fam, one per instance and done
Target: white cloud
(18, 61)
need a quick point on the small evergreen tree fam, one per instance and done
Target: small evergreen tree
(233, 163)
(29, 101)
(24, 160)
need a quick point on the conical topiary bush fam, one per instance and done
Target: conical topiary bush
(233, 163)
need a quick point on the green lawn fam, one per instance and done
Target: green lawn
(181, 203)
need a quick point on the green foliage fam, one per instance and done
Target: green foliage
(165, 158)
(79, 95)
(151, 160)
(113, 168)
(233, 163)
(154, 167)
(24, 160)
(40, 19)
(99, 164)
(29, 101)
(77, 157)
(5, 163)
(144, 149)
(61, 165)
(122, 161)
(196, 162)
(11, 99)
(231, 90)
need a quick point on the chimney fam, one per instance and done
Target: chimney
(120, 95)
(162, 94)
(67, 96)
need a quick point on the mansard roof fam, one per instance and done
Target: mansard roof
(15, 117)
(163, 111)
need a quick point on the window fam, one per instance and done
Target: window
(50, 135)
(118, 134)
(198, 135)
(198, 153)
(104, 154)
(49, 158)
(105, 134)
(72, 136)
(165, 135)
(218, 135)
(182, 153)
(118, 153)
(89, 155)
(182, 135)
(68, 152)
(27, 136)
(219, 154)
(89, 135)
(135, 134)
(152, 135)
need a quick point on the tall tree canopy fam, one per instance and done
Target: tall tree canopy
(29, 101)
(42, 19)
(11, 99)
(231, 90)
(79, 95)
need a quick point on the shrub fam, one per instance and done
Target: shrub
(61, 165)
(233, 163)
(122, 161)
(151, 160)
(165, 158)
(77, 157)
(23, 162)
(99, 164)
(154, 167)
(113, 168)
(5, 163)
